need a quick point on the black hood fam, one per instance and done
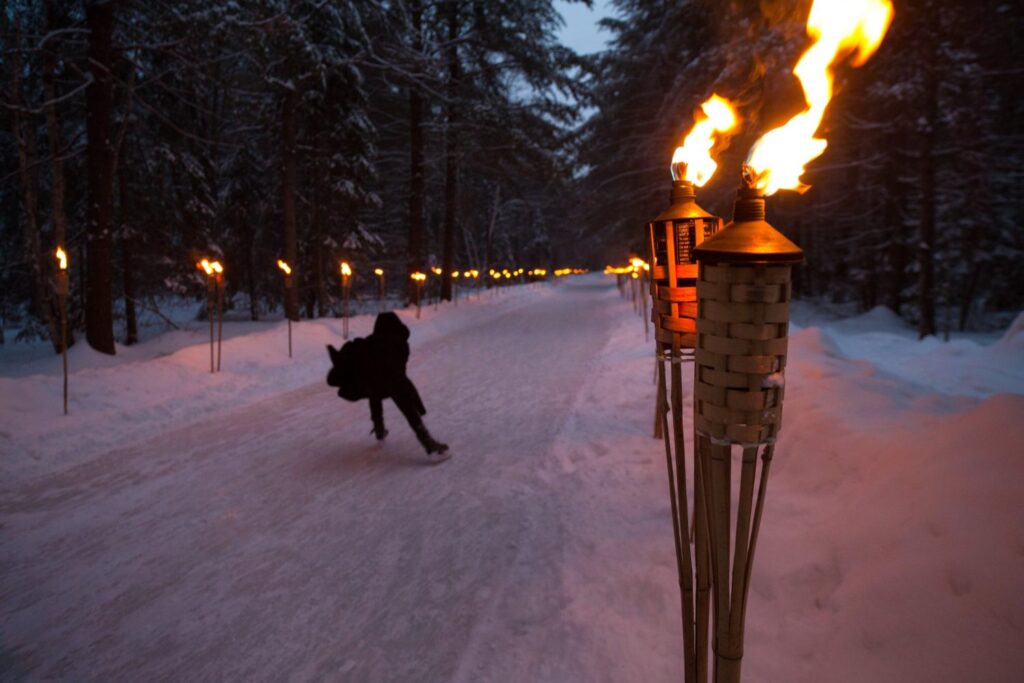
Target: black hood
(389, 325)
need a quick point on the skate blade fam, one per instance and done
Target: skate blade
(436, 458)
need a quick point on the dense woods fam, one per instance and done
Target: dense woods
(459, 133)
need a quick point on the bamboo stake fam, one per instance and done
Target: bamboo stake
(220, 317)
(209, 311)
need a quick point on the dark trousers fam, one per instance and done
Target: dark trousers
(408, 401)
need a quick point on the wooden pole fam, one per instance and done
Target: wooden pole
(220, 317)
(380, 305)
(287, 294)
(344, 296)
(210, 284)
(62, 295)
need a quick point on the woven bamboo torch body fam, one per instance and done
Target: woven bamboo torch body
(743, 293)
(673, 236)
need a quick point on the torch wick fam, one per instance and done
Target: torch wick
(749, 177)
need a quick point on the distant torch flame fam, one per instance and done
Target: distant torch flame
(205, 266)
(284, 266)
(345, 269)
(62, 259)
(418, 276)
(378, 271)
(841, 29)
(692, 161)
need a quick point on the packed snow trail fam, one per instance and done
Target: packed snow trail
(278, 541)
(281, 542)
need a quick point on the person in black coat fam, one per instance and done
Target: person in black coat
(374, 368)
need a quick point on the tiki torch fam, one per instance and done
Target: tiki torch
(673, 235)
(437, 271)
(346, 279)
(287, 271)
(218, 276)
(211, 292)
(455, 287)
(379, 272)
(419, 278)
(62, 299)
(743, 292)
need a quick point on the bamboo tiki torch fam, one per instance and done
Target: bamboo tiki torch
(743, 292)
(419, 278)
(218, 270)
(211, 285)
(346, 279)
(673, 236)
(287, 271)
(455, 287)
(437, 299)
(63, 288)
(379, 272)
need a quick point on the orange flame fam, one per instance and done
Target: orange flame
(62, 259)
(378, 271)
(692, 161)
(346, 270)
(418, 276)
(205, 266)
(284, 266)
(841, 29)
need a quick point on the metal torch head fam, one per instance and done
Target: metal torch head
(673, 234)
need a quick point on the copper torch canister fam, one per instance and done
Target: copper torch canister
(743, 292)
(673, 236)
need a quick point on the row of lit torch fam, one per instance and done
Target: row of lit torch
(214, 272)
(720, 299)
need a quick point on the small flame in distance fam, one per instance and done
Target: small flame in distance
(284, 266)
(841, 29)
(692, 161)
(345, 269)
(62, 259)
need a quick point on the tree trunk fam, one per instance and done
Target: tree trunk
(57, 189)
(131, 325)
(416, 144)
(99, 314)
(489, 242)
(24, 135)
(451, 151)
(288, 185)
(926, 221)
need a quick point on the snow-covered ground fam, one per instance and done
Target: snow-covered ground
(245, 526)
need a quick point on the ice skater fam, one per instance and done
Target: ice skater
(374, 367)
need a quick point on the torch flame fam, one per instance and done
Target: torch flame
(217, 267)
(692, 161)
(284, 266)
(205, 266)
(62, 259)
(345, 269)
(418, 276)
(378, 271)
(841, 29)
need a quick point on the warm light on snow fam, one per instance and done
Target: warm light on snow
(841, 29)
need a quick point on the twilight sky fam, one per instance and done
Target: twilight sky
(580, 31)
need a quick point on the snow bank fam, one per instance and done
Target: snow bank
(892, 548)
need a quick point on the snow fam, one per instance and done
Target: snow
(182, 525)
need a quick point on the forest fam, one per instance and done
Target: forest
(144, 135)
